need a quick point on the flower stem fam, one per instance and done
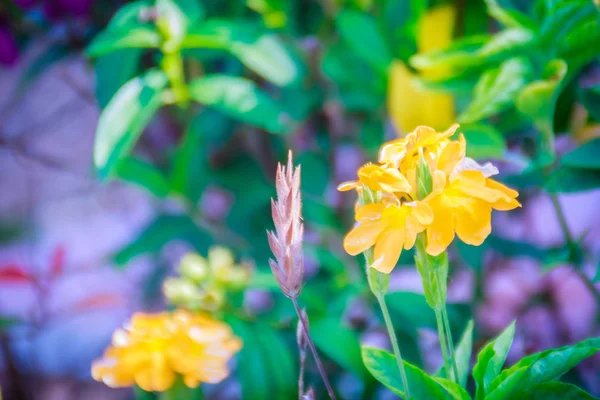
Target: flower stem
(443, 342)
(450, 342)
(313, 350)
(394, 340)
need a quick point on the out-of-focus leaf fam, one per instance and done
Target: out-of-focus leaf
(316, 170)
(496, 90)
(7, 322)
(113, 70)
(578, 47)
(558, 391)
(124, 118)
(266, 368)
(240, 98)
(263, 53)
(591, 99)
(143, 174)
(563, 17)
(537, 101)
(585, 156)
(343, 347)
(545, 366)
(272, 11)
(597, 274)
(161, 231)
(459, 55)
(175, 17)
(126, 30)
(400, 21)
(463, 356)
(510, 18)
(490, 361)
(382, 365)
(363, 35)
(569, 180)
(483, 141)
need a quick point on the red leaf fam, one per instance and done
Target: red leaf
(57, 261)
(12, 273)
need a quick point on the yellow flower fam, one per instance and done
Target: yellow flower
(462, 205)
(404, 152)
(390, 228)
(384, 178)
(155, 348)
(409, 104)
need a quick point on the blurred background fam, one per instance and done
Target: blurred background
(87, 239)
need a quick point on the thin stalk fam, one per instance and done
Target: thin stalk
(394, 340)
(443, 342)
(314, 351)
(450, 342)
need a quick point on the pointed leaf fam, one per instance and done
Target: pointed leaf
(239, 98)
(558, 391)
(491, 359)
(143, 174)
(463, 356)
(496, 90)
(585, 156)
(124, 118)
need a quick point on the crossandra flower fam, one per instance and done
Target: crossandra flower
(153, 349)
(462, 205)
(388, 227)
(385, 178)
(286, 240)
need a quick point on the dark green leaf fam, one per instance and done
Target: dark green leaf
(240, 98)
(316, 167)
(508, 17)
(591, 99)
(463, 356)
(558, 391)
(491, 359)
(362, 34)
(343, 347)
(496, 90)
(382, 365)
(579, 46)
(483, 141)
(585, 156)
(160, 232)
(143, 174)
(124, 118)
(569, 180)
(113, 71)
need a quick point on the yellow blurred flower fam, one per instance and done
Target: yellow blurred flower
(385, 178)
(462, 205)
(153, 349)
(390, 228)
(410, 104)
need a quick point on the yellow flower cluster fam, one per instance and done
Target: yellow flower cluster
(204, 282)
(459, 200)
(156, 348)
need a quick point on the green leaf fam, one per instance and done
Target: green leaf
(545, 366)
(570, 180)
(463, 356)
(453, 389)
(558, 391)
(483, 141)
(496, 90)
(263, 53)
(160, 232)
(124, 118)
(362, 34)
(239, 98)
(563, 18)
(508, 18)
(537, 101)
(175, 17)
(382, 365)
(143, 174)
(579, 46)
(458, 56)
(491, 359)
(585, 156)
(113, 71)
(343, 347)
(126, 31)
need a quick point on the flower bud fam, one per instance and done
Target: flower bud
(424, 179)
(220, 259)
(211, 299)
(194, 267)
(179, 290)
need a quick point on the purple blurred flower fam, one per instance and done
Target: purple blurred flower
(9, 51)
(77, 8)
(25, 4)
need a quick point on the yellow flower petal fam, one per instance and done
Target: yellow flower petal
(363, 237)
(441, 232)
(503, 204)
(369, 212)
(388, 249)
(346, 186)
(473, 221)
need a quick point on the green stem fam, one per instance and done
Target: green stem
(443, 342)
(394, 340)
(450, 342)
